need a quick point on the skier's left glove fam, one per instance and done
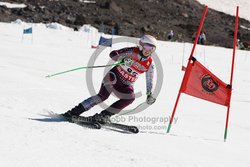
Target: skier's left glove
(150, 99)
(128, 61)
(125, 60)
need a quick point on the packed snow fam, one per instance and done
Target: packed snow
(31, 136)
(229, 6)
(12, 5)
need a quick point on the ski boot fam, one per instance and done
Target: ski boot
(102, 118)
(76, 111)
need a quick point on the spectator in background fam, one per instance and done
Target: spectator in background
(170, 35)
(202, 38)
(240, 45)
(180, 37)
(115, 29)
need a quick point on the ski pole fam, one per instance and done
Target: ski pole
(79, 68)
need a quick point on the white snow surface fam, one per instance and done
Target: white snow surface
(229, 6)
(12, 5)
(30, 137)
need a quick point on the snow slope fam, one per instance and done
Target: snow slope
(12, 5)
(229, 6)
(29, 137)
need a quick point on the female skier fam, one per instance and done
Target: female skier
(120, 80)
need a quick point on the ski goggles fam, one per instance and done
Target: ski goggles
(149, 48)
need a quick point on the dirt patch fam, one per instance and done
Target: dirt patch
(133, 18)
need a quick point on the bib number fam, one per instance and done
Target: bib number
(132, 72)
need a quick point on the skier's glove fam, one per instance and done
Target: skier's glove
(150, 99)
(126, 61)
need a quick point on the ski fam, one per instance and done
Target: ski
(111, 125)
(123, 127)
(87, 122)
(83, 121)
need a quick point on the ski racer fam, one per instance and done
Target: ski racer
(120, 80)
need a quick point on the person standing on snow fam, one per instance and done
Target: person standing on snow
(120, 80)
(171, 35)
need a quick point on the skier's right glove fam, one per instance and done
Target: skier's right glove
(150, 99)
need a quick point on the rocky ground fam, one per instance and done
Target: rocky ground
(132, 17)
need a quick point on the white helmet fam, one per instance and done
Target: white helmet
(147, 39)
